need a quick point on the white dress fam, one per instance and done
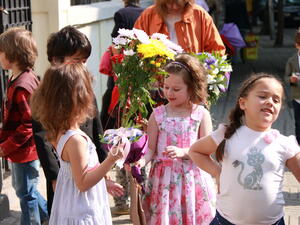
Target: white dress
(71, 206)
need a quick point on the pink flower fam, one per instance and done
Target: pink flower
(271, 136)
(174, 220)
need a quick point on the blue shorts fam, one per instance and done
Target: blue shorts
(220, 220)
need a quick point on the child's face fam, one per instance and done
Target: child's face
(4, 62)
(76, 58)
(176, 91)
(262, 104)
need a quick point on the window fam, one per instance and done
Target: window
(84, 2)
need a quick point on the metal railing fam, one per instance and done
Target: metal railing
(84, 2)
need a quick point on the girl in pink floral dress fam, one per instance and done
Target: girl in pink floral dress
(177, 191)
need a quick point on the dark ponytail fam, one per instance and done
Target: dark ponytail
(235, 121)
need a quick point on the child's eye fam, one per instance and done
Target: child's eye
(262, 96)
(276, 100)
(165, 87)
(176, 89)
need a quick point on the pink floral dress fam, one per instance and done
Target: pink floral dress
(177, 191)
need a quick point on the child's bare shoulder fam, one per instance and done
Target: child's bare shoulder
(75, 141)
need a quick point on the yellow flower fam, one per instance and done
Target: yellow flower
(154, 48)
(157, 64)
(152, 62)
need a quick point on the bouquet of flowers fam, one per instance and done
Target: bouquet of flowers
(138, 70)
(135, 142)
(218, 69)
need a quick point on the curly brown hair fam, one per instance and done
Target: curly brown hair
(161, 5)
(194, 76)
(236, 114)
(65, 97)
(19, 46)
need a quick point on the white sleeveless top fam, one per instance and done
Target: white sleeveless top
(71, 206)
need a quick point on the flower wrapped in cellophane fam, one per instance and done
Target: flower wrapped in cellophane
(138, 68)
(135, 144)
(218, 69)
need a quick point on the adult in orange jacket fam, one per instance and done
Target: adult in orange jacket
(184, 23)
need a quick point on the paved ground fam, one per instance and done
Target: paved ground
(270, 60)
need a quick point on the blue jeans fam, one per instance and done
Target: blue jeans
(24, 180)
(220, 220)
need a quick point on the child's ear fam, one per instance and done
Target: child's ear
(242, 103)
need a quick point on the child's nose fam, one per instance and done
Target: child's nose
(169, 92)
(269, 101)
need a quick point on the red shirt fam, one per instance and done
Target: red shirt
(16, 136)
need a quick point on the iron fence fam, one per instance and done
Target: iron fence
(85, 2)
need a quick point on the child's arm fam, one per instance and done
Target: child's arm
(75, 151)
(294, 166)
(24, 131)
(206, 124)
(45, 151)
(152, 132)
(200, 152)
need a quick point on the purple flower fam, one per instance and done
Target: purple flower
(210, 61)
(227, 75)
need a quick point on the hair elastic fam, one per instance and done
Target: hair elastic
(182, 65)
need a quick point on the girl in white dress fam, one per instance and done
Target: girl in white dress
(61, 103)
(252, 157)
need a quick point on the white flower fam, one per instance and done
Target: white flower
(126, 33)
(215, 71)
(210, 79)
(141, 36)
(129, 52)
(172, 46)
(159, 36)
(221, 86)
(224, 57)
(227, 68)
(120, 41)
(216, 90)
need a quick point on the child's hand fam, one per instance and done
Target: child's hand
(117, 152)
(293, 79)
(174, 152)
(141, 163)
(114, 189)
(1, 153)
(218, 183)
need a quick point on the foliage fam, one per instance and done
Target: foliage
(138, 68)
(218, 68)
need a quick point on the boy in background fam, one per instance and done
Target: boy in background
(292, 77)
(69, 45)
(123, 18)
(18, 53)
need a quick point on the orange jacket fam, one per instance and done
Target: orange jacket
(196, 32)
